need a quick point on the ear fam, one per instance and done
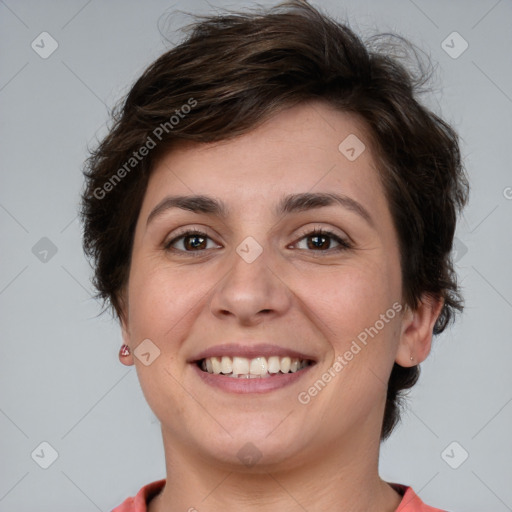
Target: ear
(125, 332)
(417, 331)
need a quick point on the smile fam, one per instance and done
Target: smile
(249, 367)
(260, 367)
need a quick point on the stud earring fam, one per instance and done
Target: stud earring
(124, 350)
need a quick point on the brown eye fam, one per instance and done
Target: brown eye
(318, 242)
(322, 240)
(191, 241)
(194, 242)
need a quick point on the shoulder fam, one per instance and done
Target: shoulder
(411, 502)
(138, 503)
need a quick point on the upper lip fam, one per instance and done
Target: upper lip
(249, 351)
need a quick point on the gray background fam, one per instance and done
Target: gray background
(60, 379)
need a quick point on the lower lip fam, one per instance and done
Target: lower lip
(243, 385)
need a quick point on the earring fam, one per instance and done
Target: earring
(124, 350)
(412, 358)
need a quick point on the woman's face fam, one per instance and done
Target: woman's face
(260, 280)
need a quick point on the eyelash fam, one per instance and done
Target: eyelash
(343, 244)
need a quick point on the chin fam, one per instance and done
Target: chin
(255, 449)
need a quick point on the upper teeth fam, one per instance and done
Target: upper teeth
(257, 367)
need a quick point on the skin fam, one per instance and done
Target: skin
(316, 455)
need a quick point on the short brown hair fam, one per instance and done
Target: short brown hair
(233, 72)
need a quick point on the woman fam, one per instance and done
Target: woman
(271, 218)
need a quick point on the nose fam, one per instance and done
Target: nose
(251, 292)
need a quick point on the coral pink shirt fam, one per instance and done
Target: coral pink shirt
(410, 501)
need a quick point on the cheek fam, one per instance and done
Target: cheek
(351, 298)
(163, 299)
(358, 310)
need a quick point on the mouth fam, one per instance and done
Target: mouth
(260, 367)
(244, 368)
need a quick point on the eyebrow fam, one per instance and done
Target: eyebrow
(288, 204)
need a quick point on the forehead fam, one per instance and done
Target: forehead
(305, 148)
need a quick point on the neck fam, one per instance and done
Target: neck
(342, 477)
